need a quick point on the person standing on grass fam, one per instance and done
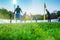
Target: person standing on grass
(31, 17)
(24, 16)
(48, 15)
(18, 13)
(10, 14)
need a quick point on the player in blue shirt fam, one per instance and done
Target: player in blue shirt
(18, 13)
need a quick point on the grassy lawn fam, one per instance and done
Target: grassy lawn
(30, 31)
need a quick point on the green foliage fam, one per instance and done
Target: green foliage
(30, 31)
(58, 13)
(53, 15)
(4, 14)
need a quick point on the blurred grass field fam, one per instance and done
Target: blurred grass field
(30, 31)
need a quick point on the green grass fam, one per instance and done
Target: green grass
(30, 31)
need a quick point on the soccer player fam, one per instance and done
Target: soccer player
(18, 13)
(48, 15)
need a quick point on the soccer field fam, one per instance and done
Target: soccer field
(30, 31)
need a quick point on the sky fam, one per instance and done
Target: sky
(31, 6)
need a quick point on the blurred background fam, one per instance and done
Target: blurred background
(35, 7)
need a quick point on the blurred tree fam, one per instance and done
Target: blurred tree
(58, 13)
(4, 13)
(53, 15)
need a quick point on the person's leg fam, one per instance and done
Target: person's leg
(20, 18)
(50, 20)
(31, 18)
(10, 19)
(16, 17)
(25, 19)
